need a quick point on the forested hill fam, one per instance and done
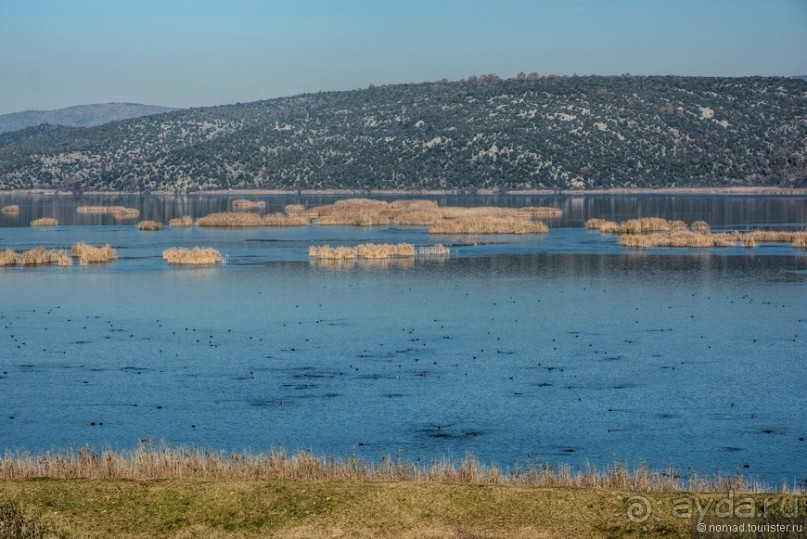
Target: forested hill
(78, 116)
(482, 133)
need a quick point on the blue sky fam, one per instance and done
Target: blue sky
(56, 53)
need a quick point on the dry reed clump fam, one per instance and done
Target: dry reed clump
(12, 209)
(45, 221)
(405, 205)
(413, 212)
(678, 239)
(434, 250)
(230, 220)
(294, 209)
(643, 225)
(89, 254)
(604, 226)
(326, 252)
(367, 212)
(701, 227)
(198, 256)
(646, 225)
(353, 217)
(149, 226)
(595, 223)
(417, 217)
(119, 212)
(800, 240)
(363, 251)
(539, 212)
(9, 258)
(351, 212)
(158, 462)
(772, 236)
(748, 241)
(41, 256)
(185, 220)
(244, 204)
(488, 225)
(385, 250)
(278, 219)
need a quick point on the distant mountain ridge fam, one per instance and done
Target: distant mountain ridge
(484, 133)
(79, 115)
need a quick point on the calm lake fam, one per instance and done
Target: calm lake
(563, 347)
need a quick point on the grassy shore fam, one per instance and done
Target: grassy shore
(156, 491)
(345, 508)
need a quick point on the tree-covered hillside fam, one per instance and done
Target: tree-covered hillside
(481, 133)
(78, 116)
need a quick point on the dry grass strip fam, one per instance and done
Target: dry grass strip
(154, 461)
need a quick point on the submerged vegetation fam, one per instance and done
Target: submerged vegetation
(90, 254)
(198, 256)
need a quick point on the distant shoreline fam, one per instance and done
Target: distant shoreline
(726, 191)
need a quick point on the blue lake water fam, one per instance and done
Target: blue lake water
(562, 347)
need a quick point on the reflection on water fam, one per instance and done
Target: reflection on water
(407, 262)
(720, 211)
(564, 347)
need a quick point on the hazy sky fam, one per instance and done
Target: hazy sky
(57, 53)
